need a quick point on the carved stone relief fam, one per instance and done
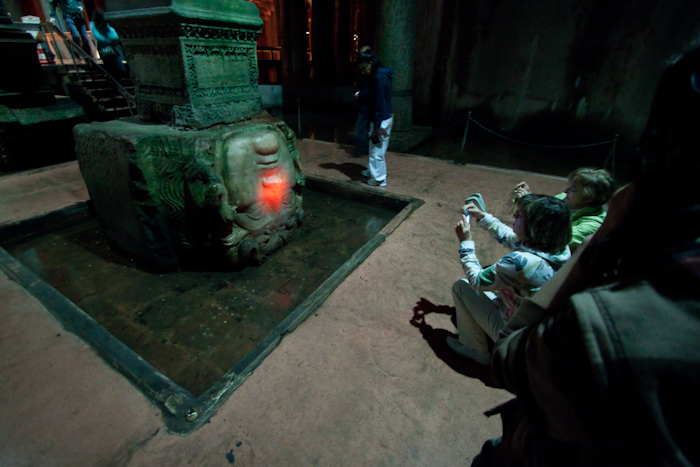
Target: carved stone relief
(229, 196)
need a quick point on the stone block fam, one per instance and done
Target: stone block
(173, 199)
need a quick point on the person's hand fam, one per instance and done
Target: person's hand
(473, 211)
(378, 135)
(52, 21)
(463, 229)
(522, 189)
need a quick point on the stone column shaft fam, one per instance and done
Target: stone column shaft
(294, 60)
(395, 45)
(323, 41)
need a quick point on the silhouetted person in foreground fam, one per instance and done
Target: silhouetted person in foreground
(610, 374)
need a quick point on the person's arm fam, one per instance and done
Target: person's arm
(379, 97)
(382, 94)
(499, 231)
(467, 252)
(499, 276)
(470, 263)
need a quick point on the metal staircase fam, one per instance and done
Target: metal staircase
(98, 95)
(84, 79)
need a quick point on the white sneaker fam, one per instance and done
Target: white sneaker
(365, 173)
(464, 351)
(374, 182)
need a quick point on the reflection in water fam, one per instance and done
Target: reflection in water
(373, 226)
(194, 326)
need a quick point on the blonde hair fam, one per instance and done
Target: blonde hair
(595, 184)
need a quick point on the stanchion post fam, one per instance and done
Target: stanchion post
(460, 160)
(611, 156)
(298, 118)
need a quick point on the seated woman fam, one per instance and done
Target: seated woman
(487, 298)
(588, 190)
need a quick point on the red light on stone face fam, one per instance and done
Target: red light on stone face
(274, 184)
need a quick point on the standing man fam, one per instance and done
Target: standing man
(381, 116)
(72, 11)
(362, 99)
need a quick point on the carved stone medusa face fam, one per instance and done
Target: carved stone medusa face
(258, 171)
(261, 173)
(228, 195)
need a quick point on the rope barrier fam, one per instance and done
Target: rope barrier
(456, 123)
(577, 146)
(609, 160)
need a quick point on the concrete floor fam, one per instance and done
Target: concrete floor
(365, 380)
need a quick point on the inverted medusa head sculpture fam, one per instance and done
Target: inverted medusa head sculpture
(228, 198)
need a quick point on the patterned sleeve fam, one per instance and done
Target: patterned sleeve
(498, 230)
(502, 274)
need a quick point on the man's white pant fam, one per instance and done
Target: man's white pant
(478, 316)
(377, 152)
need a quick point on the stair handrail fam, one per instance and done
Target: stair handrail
(130, 98)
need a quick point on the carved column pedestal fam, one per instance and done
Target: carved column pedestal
(204, 177)
(193, 62)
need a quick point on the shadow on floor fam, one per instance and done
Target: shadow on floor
(448, 142)
(436, 339)
(351, 170)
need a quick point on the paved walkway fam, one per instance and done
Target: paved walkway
(365, 380)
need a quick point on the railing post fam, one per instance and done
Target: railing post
(611, 156)
(460, 160)
(56, 48)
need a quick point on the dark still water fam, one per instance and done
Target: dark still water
(194, 326)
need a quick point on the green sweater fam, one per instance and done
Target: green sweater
(584, 222)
